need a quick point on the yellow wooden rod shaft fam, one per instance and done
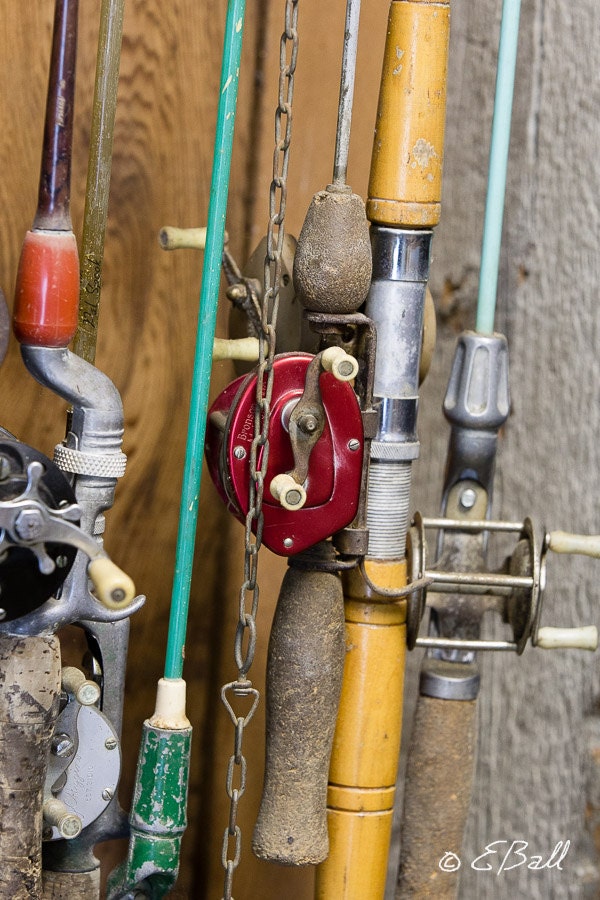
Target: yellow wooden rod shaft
(406, 169)
(404, 197)
(364, 762)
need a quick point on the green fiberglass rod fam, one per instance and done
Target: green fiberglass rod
(494, 207)
(209, 295)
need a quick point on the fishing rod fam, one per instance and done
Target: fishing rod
(333, 472)
(51, 510)
(158, 813)
(440, 767)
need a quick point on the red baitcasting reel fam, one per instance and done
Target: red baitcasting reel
(316, 445)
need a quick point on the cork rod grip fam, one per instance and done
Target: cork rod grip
(438, 794)
(304, 674)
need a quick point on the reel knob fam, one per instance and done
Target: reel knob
(313, 474)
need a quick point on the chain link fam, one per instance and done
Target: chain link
(245, 636)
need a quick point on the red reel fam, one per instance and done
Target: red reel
(335, 464)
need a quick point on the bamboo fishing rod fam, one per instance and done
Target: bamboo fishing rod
(403, 207)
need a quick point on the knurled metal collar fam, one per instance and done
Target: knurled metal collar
(110, 465)
(395, 450)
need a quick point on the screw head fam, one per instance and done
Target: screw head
(110, 743)
(353, 444)
(29, 524)
(62, 745)
(468, 498)
(239, 452)
(308, 423)
(107, 794)
(293, 497)
(287, 543)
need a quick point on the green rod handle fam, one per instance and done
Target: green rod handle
(209, 295)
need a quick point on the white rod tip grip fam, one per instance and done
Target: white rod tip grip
(341, 365)
(288, 492)
(582, 544)
(584, 638)
(169, 712)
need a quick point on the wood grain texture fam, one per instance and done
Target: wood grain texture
(529, 784)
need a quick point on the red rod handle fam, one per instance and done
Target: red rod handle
(47, 290)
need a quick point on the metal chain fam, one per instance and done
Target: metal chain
(245, 637)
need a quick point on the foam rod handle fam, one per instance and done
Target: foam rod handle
(438, 793)
(304, 676)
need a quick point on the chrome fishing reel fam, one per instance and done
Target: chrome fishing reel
(40, 536)
(515, 591)
(33, 493)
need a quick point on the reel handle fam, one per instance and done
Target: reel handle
(580, 544)
(583, 638)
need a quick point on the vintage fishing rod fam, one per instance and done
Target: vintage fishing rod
(319, 433)
(440, 768)
(52, 515)
(158, 813)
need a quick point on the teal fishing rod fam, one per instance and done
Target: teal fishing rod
(158, 813)
(498, 165)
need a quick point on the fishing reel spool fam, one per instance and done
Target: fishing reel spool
(515, 591)
(316, 446)
(85, 761)
(33, 491)
(40, 536)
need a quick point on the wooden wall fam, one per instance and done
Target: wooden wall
(530, 784)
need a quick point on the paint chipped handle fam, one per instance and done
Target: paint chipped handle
(581, 544)
(113, 588)
(584, 638)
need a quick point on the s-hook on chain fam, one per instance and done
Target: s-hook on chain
(245, 637)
